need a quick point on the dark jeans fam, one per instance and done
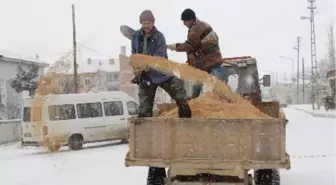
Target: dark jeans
(175, 88)
(218, 72)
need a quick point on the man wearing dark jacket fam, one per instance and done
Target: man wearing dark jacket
(201, 47)
(150, 41)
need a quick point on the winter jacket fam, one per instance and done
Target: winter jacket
(201, 46)
(156, 46)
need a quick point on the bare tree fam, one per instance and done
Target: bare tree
(86, 82)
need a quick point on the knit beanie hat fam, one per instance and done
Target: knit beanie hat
(147, 15)
(188, 14)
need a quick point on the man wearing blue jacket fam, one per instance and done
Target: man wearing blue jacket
(150, 41)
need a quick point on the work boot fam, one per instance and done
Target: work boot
(184, 111)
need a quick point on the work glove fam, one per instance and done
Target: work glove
(172, 47)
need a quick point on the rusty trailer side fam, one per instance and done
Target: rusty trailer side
(207, 143)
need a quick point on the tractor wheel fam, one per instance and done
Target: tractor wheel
(267, 177)
(156, 176)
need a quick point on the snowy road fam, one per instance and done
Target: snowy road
(306, 135)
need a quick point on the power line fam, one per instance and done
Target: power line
(95, 51)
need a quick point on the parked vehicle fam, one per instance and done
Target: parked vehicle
(329, 103)
(74, 119)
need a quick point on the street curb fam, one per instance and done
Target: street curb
(320, 115)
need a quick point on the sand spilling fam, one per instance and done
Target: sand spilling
(187, 72)
(211, 105)
(45, 87)
(227, 100)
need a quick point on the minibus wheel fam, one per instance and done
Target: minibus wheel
(75, 142)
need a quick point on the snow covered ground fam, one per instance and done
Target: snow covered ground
(319, 113)
(103, 163)
(310, 136)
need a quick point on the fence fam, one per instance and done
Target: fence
(10, 130)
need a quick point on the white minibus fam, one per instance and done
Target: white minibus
(75, 119)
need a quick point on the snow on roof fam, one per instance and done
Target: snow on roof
(12, 57)
(235, 60)
(94, 65)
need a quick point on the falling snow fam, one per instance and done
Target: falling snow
(306, 136)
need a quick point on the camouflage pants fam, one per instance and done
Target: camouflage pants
(174, 87)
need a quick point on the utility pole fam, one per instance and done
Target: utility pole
(74, 49)
(303, 81)
(315, 84)
(297, 48)
(332, 60)
(314, 77)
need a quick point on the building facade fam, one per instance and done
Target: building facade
(10, 100)
(104, 73)
(89, 82)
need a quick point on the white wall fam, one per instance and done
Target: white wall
(10, 130)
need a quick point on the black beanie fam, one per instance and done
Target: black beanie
(188, 14)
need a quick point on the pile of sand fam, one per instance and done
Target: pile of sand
(210, 105)
(222, 103)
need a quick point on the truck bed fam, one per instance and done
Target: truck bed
(207, 143)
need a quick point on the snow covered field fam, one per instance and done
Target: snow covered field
(104, 164)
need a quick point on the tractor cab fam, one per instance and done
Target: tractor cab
(245, 70)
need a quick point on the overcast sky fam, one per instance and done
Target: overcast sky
(264, 29)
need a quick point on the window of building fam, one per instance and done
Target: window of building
(62, 112)
(89, 110)
(132, 108)
(112, 89)
(111, 61)
(113, 108)
(109, 78)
